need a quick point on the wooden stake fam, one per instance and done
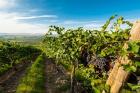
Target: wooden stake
(118, 75)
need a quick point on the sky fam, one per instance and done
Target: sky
(35, 16)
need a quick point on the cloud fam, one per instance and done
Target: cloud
(8, 24)
(35, 17)
(6, 3)
(71, 22)
(93, 25)
(21, 22)
(12, 22)
(85, 24)
(78, 22)
(132, 20)
(97, 25)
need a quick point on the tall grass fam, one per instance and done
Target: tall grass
(33, 81)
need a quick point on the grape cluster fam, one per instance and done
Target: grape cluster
(101, 64)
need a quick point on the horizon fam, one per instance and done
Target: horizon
(35, 16)
(21, 34)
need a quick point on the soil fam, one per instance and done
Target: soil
(56, 78)
(10, 85)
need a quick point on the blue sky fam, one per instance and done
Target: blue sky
(34, 16)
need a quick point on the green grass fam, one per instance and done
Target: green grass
(34, 80)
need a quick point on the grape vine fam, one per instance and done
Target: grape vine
(88, 54)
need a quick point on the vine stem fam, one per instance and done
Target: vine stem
(72, 79)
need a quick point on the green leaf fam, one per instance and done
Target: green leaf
(137, 63)
(103, 54)
(133, 47)
(132, 86)
(130, 68)
(96, 90)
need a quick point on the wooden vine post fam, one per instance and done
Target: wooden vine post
(118, 75)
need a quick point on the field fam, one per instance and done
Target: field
(72, 60)
(25, 39)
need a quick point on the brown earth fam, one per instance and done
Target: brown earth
(10, 84)
(56, 78)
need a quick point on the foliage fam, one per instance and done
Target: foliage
(91, 80)
(73, 47)
(12, 54)
(133, 87)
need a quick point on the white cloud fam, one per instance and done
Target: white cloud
(8, 24)
(85, 24)
(97, 25)
(132, 20)
(78, 22)
(71, 22)
(34, 17)
(93, 25)
(6, 3)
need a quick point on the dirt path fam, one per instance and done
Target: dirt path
(9, 86)
(56, 79)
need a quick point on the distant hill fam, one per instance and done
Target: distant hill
(24, 38)
(26, 34)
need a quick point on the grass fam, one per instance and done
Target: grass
(33, 81)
